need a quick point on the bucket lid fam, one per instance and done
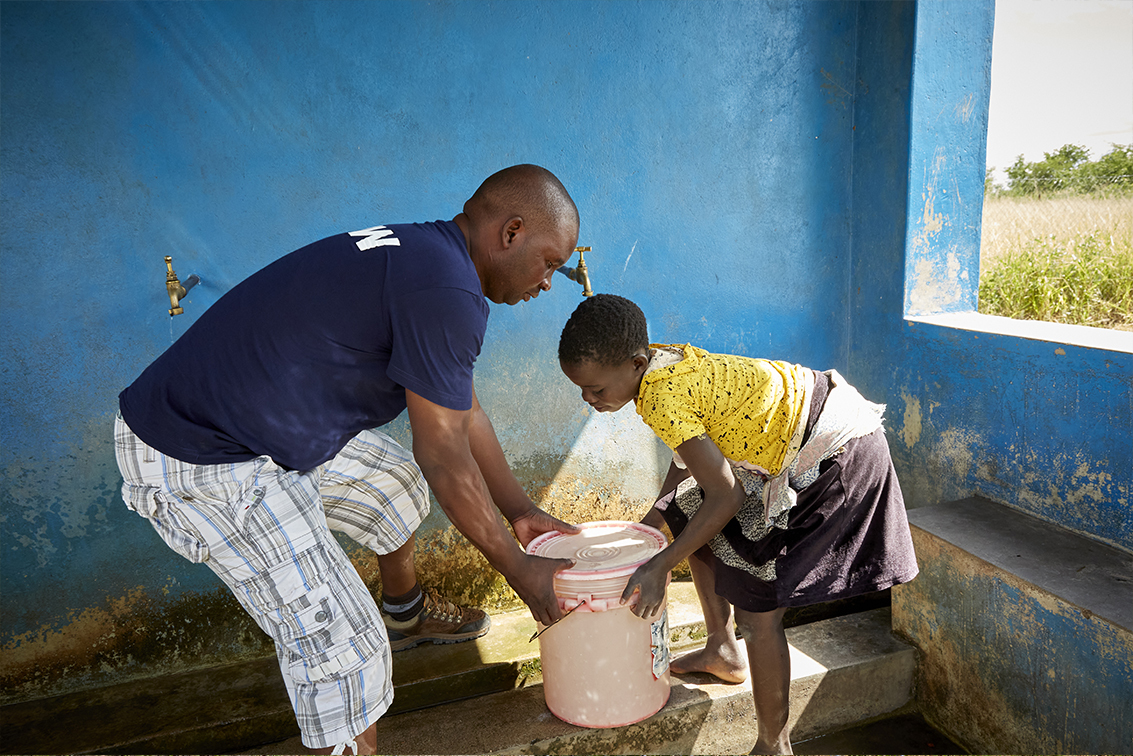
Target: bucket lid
(610, 548)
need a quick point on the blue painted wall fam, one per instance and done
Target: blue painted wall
(752, 173)
(1042, 423)
(1036, 417)
(708, 146)
(1014, 664)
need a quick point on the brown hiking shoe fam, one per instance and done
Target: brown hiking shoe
(440, 621)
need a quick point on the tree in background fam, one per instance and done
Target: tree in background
(990, 187)
(1068, 169)
(1057, 242)
(1115, 168)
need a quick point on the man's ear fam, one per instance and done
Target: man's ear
(512, 230)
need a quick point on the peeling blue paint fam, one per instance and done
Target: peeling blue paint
(752, 173)
(226, 134)
(1011, 666)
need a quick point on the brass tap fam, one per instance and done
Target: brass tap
(579, 273)
(176, 291)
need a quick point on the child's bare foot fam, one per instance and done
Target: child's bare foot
(727, 663)
(780, 744)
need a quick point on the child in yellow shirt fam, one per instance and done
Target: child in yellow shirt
(781, 492)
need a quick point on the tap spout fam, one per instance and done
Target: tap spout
(579, 273)
(175, 288)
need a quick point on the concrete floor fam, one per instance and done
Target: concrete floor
(903, 734)
(907, 733)
(844, 670)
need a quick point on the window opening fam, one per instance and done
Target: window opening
(1057, 230)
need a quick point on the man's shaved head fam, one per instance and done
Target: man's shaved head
(520, 226)
(525, 191)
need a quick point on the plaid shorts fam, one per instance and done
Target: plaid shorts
(266, 532)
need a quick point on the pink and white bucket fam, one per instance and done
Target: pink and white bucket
(602, 665)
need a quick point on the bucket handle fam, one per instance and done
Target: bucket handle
(548, 627)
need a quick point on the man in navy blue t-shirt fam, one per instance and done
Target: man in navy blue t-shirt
(253, 436)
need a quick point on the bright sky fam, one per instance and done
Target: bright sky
(1061, 73)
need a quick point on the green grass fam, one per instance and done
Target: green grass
(1078, 271)
(1084, 281)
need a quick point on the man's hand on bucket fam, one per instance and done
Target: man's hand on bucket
(534, 582)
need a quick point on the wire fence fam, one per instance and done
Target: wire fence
(1012, 222)
(1078, 183)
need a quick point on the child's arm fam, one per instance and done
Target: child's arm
(723, 496)
(675, 475)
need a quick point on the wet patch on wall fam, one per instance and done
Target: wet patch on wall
(1009, 666)
(146, 631)
(133, 636)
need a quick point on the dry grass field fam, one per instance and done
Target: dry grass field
(1066, 259)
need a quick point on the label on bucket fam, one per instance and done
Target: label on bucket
(659, 631)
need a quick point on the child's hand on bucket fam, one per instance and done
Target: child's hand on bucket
(648, 581)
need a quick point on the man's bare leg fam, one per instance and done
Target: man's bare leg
(411, 616)
(770, 660)
(365, 743)
(399, 573)
(722, 655)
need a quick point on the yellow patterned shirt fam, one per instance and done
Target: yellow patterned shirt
(748, 407)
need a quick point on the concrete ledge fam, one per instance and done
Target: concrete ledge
(1025, 629)
(1036, 330)
(223, 709)
(239, 703)
(1090, 575)
(242, 706)
(844, 670)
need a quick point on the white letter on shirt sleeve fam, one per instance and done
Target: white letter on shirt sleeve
(377, 236)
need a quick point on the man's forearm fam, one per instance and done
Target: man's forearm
(466, 501)
(465, 484)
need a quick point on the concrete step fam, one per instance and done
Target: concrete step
(226, 708)
(844, 670)
(1025, 628)
(240, 707)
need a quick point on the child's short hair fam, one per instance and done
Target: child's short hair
(606, 329)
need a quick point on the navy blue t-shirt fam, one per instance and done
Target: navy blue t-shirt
(321, 344)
